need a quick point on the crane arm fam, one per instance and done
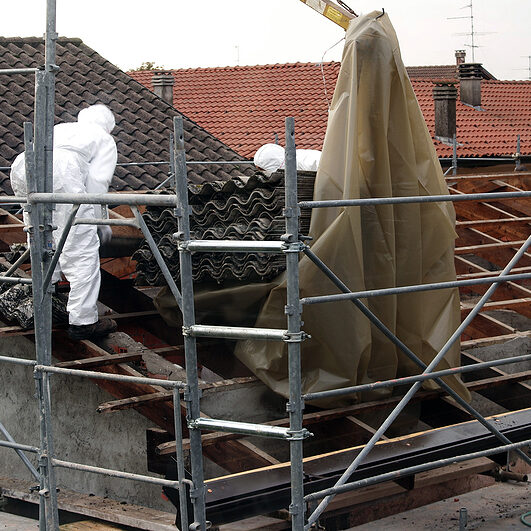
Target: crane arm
(332, 11)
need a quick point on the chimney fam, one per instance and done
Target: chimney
(470, 83)
(460, 56)
(445, 97)
(163, 86)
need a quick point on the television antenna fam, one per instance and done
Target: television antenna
(472, 32)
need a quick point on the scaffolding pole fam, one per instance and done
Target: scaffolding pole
(193, 393)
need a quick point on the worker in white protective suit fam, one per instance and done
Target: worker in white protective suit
(84, 159)
(270, 158)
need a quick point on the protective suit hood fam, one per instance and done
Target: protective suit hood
(270, 158)
(97, 114)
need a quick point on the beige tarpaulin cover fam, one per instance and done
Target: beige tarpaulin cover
(376, 145)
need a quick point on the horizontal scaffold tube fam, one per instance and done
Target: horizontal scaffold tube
(100, 199)
(15, 280)
(417, 378)
(113, 222)
(390, 476)
(223, 246)
(108, 376)
(115, 473)
(412, 199)
(13, 71)
(17, 446)
(18, 361)
(235, 332)
(247, 428)
(414, 288)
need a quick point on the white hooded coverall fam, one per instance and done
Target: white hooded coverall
(84, 159)
(270, 158)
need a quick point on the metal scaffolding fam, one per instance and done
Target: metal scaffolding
(39, 206)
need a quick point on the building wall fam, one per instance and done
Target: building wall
(116, 440)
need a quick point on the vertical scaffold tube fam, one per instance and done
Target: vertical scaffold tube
(293, 312)
(42, 309)
(179, 456)
(192, 394)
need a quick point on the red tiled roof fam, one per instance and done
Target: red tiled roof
(432, 72)
(244, 106)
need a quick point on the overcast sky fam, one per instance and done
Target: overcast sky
(201, 33)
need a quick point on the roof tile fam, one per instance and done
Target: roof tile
(144, 121)
(246, 105)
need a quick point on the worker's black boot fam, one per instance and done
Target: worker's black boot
(99, 329)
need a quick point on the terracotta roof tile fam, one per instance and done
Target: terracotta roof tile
(144, 121)
(244, 106)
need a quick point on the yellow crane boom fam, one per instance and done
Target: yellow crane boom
(332, 11)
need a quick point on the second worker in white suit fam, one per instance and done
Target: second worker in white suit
(84, 160)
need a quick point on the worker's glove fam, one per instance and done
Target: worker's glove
(104, 234)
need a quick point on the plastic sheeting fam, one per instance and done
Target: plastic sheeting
(376, 145)
(270, 158)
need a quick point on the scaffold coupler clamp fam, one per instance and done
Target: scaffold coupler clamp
(289, 212)
(196, 526)
(187, 397)
(192, 423)
(292, 245)
(295, 337)
(298, 435)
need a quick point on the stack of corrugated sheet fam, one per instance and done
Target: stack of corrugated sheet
(239, 209)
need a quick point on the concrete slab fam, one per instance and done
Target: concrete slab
(12, 522)
(494, 508)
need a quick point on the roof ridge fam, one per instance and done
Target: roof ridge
(30, 40)
(241, 67)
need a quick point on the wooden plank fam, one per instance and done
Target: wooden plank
(100, 361)
(522, 306)
(484, 325)
(496, 223)
(495, 340)
(88, 525)
(12, 227)
(478, 249)
(473, 179)
(483, 273)
(91, 506)
(134, 401)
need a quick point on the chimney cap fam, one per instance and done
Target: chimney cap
(444, 90)
(163, 78)
(470, 71)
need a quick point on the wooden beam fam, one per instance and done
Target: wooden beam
(480, 249)
(522, 306)
(494, 223)
(118, 512)
(522, 177)
(494, 340)
(100, 361)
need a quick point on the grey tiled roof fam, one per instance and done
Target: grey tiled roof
(144, 121)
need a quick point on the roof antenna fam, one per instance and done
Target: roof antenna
(277, 141)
